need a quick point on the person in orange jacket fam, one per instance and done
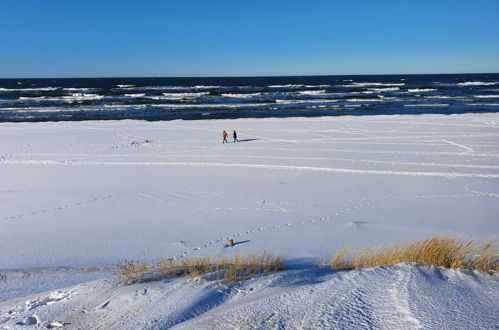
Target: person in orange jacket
(225, 135)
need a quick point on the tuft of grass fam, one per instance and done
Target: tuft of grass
(448, 252)
(132, 267)
(338, 261)
(233, 268)
(486, 258)
(243, 266)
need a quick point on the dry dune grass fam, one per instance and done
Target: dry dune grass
(233, 268)
(128, 268)
(448, 252)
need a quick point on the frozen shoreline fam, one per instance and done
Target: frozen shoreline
(100, 194)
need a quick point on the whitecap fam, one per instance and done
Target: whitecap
(363, 100)
(476, 83)
(307, 101)
(179, 96)
(206, 87)
(210, 105)
(427, 105)
(66, 98)
(445, 97)
(288, 86)
(486, 96)
(367, 84)
(315, 92)
(80, 96)
(417, 90)
(32, 97)
(40, 89)
(119, 106)
(316, 86)
(136, 95)
(241, 95)
(384, 89)
(78, 89)
(125, 86)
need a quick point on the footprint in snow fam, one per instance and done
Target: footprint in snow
(30, 320)
(105, 304)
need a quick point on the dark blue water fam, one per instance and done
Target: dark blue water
(217, 98)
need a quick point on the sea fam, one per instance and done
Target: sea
(34, 100)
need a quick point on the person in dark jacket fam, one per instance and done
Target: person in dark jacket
(234, 135)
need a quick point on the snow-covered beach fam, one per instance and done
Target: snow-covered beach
(78, 197)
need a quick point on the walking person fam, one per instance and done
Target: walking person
(225, 135)
(234, 135)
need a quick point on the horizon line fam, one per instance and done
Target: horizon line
(244, 76)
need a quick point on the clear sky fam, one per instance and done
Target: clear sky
(118, 38)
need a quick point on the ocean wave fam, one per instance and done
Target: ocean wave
(445, 97)
(66, 98)
(172, 87)
(125, 86)
(179, 96)
(384, 89)
(40, 89)
(440, 84)
(363, 100)
(316, 86)
(47, 110)
(157, 98)
(119, 106)
(243, 96)
(315, 92)
(210, 105)
(418, 90)
(476, 83)
(307, 101)
(4, 109)
(205, 87)
(286, 86)
(484, 104)
(427, 105)
(157, 88)
(80, 96)
(71, 89)
(486, 96)
(136, 95)
(367, 84)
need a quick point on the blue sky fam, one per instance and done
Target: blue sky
(111, 38)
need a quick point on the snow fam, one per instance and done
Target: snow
(80, 197)
(404, 296)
